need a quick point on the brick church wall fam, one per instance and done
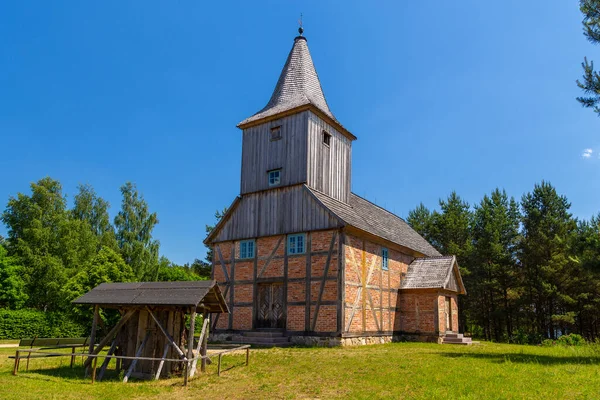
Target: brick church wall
(310, 281)
(371, 293)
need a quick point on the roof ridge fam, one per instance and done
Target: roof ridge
(432, 257)
(381, 208)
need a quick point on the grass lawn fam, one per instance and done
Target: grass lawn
(397, 370)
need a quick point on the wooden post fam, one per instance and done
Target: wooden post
(204, 343)
(73, 356)
(219, 366)
(247, 356)
(93, 333)
(190, 345)
(94, 363)
(16, 367)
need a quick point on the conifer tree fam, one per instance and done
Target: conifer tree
(590, 84)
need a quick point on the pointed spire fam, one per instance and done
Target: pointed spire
(298, 85)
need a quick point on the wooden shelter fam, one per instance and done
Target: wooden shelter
(152, 328)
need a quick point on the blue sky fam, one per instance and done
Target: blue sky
(443, 96)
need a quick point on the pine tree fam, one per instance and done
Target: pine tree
(546, 256)
(591, 79)
(494, 277)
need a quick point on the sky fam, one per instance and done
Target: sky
(465, 96)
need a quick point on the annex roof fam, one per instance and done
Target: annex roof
(371, 218)
(174, 294)
(434, 273)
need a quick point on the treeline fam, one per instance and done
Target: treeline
(53, 254)
(531, 270)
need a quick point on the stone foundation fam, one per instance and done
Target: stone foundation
(324, 341)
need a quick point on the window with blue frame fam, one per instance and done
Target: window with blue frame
(274, 177)
(384, 259)
(296, 244)
(247, 249)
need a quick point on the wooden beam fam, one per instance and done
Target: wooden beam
(268, 261)
(169, 338)
(204, 344)
(199, 347)
(190, 345)
(162, 362)
(110, 335)
(111, 351)
(137, 354)
(93, 333)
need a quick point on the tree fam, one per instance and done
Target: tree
(34, 236)
(93, 210)
(209, 251)
(106, 266)
(546, 256)
(134, 225)
(12, 285)
(587, 288)
(201, 268)
(169, 272)
(494, 275)
(591, 79)
(421, 219)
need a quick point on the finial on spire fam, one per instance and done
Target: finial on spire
(300, 29)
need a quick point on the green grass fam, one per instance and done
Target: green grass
(398, 370)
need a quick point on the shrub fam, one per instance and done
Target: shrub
(18, 324)
(571, 339)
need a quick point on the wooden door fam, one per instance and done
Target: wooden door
(270, 306)
(448, 314)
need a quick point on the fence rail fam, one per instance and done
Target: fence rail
(187, 361)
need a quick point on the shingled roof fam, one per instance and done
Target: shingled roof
(371, 218)
(177, 294)
(298, 85)
(434, 273)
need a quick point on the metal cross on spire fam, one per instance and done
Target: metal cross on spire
(300, 29)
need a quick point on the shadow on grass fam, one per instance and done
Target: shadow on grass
(501, 358)
(76, 373)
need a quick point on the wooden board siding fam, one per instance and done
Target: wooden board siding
(371, 301)
(260, 154)
(275, 212)
(329, 167)
(310, 282)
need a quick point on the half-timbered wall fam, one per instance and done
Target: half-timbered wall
(311, 282)
(371, 302)
(329, 167)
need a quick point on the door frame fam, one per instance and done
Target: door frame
(255, 320)
(448, 312)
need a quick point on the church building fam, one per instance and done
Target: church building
(300, 258)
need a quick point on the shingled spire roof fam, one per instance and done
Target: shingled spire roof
(298, 85)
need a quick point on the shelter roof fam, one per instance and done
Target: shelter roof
(199, 294)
